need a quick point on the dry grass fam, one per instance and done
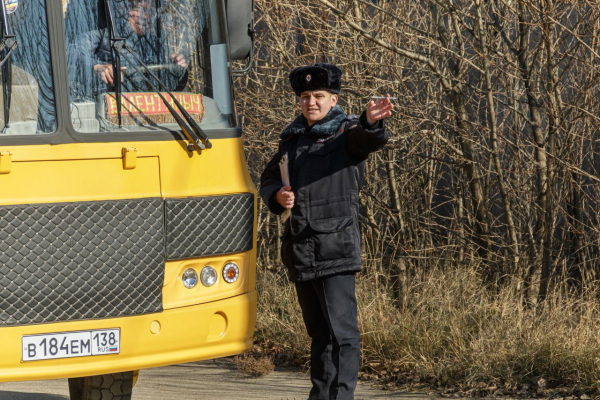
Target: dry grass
(454, 332)
(255, 365)
(280, 328)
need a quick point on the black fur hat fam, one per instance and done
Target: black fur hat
(320, 76)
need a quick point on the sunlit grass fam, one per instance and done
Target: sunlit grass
(453, 332)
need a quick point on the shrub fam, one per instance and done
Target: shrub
(454, 331)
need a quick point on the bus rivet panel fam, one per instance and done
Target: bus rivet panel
(5, 162)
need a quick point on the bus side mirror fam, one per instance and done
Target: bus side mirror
(240, 25)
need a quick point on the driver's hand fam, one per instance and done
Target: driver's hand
(179, 59)
(105, 72)
(140, 18)
(135, 22)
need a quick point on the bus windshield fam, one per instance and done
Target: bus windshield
(27, 99)
(178, 40)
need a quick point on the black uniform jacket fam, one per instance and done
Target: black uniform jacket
(326, 166)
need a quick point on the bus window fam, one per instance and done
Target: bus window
(173, 39)
(27, 98)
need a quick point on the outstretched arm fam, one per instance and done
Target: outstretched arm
(368, 133)
(379, 110)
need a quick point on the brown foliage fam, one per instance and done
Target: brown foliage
(254, 364)
(493, 158)
(483, 203)
(453, 333)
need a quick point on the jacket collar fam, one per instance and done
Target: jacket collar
(324, 127)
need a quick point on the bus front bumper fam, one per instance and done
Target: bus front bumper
(211, 330)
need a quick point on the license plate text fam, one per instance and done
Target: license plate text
(71, 344)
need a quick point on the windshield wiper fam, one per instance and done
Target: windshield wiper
(191, 134)
(8, 41)
(196, 132)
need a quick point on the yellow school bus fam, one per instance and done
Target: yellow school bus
(127, 214)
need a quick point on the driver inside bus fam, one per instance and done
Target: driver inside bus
(136, 21)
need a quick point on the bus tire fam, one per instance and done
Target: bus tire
(117, 386)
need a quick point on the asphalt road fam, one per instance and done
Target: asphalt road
(207, 380)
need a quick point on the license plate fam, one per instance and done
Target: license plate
(71, 344)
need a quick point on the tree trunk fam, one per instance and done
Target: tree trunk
(493, 127)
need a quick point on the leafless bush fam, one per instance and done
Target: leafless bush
(453, 332)
(493, 154)
(255, 365)
(492, 168)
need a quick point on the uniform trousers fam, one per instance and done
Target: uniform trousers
(329, 310)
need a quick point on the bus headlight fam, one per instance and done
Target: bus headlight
(189, 278)
(208, 276)
(231, 272)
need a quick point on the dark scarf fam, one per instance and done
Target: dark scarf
(322, 128)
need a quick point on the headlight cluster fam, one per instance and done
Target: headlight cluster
(231, 272)
(189, 278)
(209, 275)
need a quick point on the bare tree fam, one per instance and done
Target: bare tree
(493, 159)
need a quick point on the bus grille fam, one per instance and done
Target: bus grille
(73, 261)
(201, 226)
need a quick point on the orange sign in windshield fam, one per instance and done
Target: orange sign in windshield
(148, 104)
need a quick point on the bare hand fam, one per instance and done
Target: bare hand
(179, 60)
(285, 197)
(135, 22)
(105, 72)
(380, 110)
(140, 18)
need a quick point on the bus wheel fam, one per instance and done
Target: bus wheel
(102, 387)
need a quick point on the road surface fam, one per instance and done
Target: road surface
(206, 380)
